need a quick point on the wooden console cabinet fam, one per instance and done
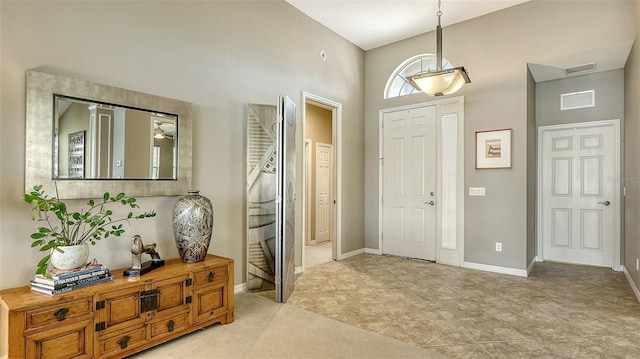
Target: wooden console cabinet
(120, 317)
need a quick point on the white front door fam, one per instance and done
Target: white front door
(323, 192)
(580, 193)
(409, 183)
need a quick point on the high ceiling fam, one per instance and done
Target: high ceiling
(373, 23)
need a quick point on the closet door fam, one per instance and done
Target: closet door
(285, 199)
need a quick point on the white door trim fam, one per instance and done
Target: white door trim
(615, 123)
(336, 140)
(443, 255)
(306, 189)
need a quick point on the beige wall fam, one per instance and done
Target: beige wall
(495, 49)
(166, 157)
(318, 130)
(218, 55)
(137, 146)
(632, 155)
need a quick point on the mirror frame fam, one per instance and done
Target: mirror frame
(41, 87)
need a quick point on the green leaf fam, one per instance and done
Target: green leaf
(119, 196)
(44, 260)
(106, 196)
(38, 235)
(91, 203)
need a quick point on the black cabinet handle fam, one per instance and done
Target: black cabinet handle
(210, 277)
(61, 313)
(170, 325)
(124, 341)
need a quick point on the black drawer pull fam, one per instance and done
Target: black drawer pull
(124, 341)
(210, 277)
(170, 325)
(61, 313)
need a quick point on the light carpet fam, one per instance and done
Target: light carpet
(265, 329)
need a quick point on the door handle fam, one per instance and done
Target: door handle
(606, 203)
(430, 202)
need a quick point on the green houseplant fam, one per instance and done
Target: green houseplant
(69, 228)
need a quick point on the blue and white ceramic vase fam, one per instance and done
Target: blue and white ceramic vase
(193, 226)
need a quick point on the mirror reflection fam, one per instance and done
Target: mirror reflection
(94, 140)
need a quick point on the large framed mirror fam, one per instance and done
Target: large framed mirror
(89, 138)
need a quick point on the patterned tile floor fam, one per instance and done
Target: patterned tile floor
(560, 311)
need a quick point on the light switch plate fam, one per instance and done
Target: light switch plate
(476, 191)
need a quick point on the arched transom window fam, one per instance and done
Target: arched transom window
(398, 83)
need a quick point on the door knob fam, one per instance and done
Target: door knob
(430, 202)
(606, 203)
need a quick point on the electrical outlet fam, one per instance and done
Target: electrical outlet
(498, 247)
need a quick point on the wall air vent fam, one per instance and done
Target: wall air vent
(579, 69)
(574, 100)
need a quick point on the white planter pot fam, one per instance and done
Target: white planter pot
(73, 256)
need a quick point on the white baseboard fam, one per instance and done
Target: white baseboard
(631, 283)
(240, 288)
(373, 251)
(530, 266)
(351, 254)
(496, 269)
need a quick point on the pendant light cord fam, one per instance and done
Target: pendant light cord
(439, 40)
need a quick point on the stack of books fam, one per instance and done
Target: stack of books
(66, 280)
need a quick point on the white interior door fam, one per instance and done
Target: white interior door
(323, 192)
(580, 194)
(409, 183)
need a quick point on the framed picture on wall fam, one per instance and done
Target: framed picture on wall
(76, 155)
(493, 149)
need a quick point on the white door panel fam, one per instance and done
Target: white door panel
(579, 196)
(323, 192)
(409, 183)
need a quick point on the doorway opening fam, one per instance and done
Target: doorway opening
(321, 123)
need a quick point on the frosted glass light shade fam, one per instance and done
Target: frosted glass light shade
(443, 82)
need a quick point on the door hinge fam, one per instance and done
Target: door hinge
(188, 282)
(100, 326)
(100, 305)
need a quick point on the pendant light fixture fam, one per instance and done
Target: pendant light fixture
(441, 81)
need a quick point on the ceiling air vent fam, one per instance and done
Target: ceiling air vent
(582, 99)
(576, 70)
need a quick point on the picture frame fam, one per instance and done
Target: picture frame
(493, 149)
(76, 154)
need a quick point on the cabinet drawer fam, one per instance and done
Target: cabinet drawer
(210, 276)
(66, 341)
(209, 303)
(58, 313)
(170, 325)
(121, 341)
